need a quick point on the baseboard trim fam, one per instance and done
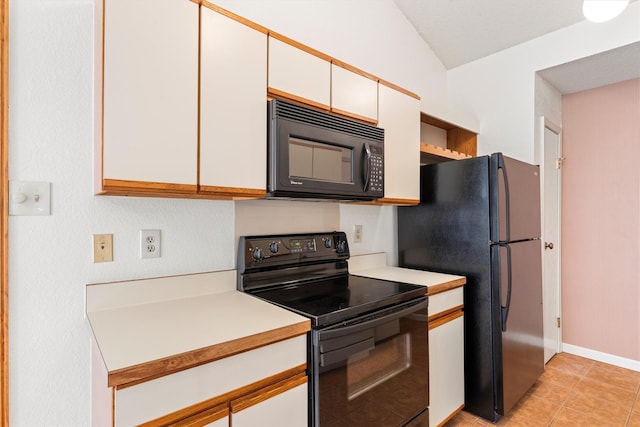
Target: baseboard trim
(611, 359)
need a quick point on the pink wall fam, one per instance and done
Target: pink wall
(601, 219)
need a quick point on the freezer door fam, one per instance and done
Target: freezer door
(515, 199)
(522, 337)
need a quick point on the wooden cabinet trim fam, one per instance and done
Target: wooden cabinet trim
(235, 17)
(300, 46)
(280, 94)
(114, 187)
(399, 89)
(136, 374)
(396, 202)
(440, 152)
(350, 115)
(446, 316)
(232, 192)
(124, 186)
(353, 69)
(220, 405)
(453, 414)
(263, 394)
(447, 286)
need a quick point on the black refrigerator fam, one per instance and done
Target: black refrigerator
(480, 218)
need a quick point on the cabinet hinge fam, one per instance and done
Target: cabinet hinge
(558, 321)
(559, 161)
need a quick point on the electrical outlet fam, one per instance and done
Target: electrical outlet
(357, 233)
(102, 248)
(149, 244)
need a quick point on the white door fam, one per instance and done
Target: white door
(551, 238)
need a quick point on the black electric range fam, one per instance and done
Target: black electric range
(367, 349)
(308, 274)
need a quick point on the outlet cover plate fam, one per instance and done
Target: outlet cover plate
(149, 244)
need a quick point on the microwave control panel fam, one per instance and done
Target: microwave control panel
(376, 168)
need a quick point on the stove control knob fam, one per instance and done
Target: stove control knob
(257, 254)
(328, 243)
(274, 247)
(341, 246)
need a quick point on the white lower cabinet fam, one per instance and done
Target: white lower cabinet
(446, 356)
(268, 384)
(284, 407)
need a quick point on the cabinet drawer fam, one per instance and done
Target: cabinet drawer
(155, 398)
(445, 301)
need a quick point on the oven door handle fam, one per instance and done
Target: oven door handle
(341, 354)
(374, 319)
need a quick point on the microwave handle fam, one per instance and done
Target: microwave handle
(367, 166)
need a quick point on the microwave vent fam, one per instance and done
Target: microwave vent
(287, 110)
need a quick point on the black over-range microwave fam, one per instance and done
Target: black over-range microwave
(315, 154)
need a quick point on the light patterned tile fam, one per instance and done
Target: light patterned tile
(570, 363)
(570, 418)
(607, 391)
(534, 411)
(599, 410)
(634, 419)
(614, 375)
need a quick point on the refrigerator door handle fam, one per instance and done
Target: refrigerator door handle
(501, 166)
(504, 309)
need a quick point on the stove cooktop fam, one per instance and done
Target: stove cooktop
(309, 274)
(340, 298)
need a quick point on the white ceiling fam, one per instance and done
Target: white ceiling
(461, 31)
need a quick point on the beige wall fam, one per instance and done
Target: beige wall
(601, 219)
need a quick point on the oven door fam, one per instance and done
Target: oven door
(373, 370)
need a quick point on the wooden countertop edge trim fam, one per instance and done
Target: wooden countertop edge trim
(136, 374)
(447, 286)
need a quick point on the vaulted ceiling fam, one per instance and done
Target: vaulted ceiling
(461, 31)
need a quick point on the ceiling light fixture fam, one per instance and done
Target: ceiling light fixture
(603, 10)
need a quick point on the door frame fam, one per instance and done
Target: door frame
(542, 124)
(4, 216)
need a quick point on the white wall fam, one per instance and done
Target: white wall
(50, 139)
(500, 89)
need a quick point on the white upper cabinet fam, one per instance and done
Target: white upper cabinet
(399, 116)
(353, 94)
(297, 74)
(150, 87)
(233, 106)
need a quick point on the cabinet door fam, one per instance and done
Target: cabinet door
(297, 74)
(446, 370)
(233, 107)
(283, 405)
(353, 94)
(399, 116)
(150, 95)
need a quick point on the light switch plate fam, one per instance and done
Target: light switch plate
(29, 198)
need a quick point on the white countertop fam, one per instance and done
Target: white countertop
(152, 326)
(375, 266)
(133, 335)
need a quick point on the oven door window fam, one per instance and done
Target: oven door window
(376, 376)
(319, 161)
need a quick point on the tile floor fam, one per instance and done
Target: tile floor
(573, 392)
